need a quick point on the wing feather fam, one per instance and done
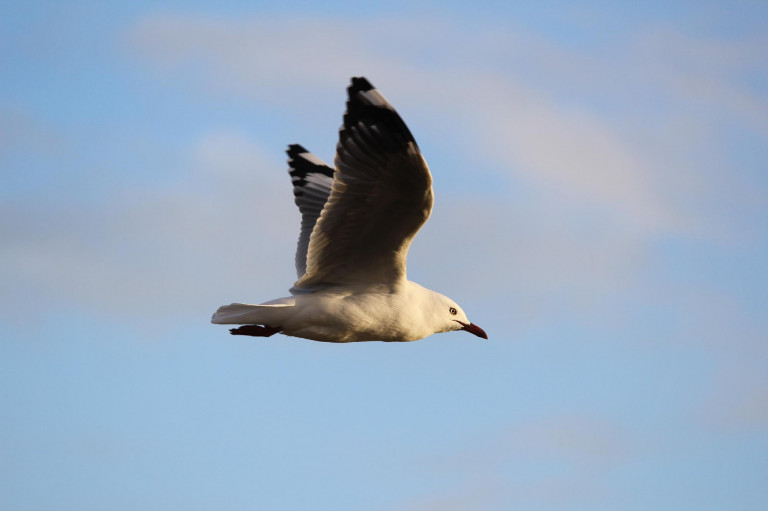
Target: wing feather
(312, 180)
(380, 198)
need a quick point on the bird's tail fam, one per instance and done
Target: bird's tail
(272, 314)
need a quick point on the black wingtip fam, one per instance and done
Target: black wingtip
(359, 84)
(372, 109)
(299, 166)
(294, 150)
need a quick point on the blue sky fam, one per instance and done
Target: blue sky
(600, 211)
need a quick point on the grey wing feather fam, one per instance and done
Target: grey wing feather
(312, 180)
(381, 196)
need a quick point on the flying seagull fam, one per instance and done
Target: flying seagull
(357, 223)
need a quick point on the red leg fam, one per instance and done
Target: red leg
(255, 330)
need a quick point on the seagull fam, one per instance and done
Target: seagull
(357, 223)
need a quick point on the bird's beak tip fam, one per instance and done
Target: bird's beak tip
(474, 329)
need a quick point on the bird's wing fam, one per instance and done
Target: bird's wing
(312, 180)
(381, 196)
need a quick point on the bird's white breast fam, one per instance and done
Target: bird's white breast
(361, 315)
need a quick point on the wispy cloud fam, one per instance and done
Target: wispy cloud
(21, 131)
(155, 253)
(504, 94)
(552, 463)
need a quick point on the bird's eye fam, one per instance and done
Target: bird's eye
(452, 310)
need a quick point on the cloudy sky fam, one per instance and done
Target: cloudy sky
(601, 204)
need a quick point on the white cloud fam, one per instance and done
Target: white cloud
(260, 58)
(21, 131)
(230, 155)
(504, 97)
(708, 74)
(158, 254)
(554, 463)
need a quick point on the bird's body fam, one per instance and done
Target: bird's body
(349, 314)
(357, 225)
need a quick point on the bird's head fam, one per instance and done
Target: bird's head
(449, 316)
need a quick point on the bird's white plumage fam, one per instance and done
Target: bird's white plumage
(358, 222)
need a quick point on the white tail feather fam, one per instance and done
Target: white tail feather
(246, 314)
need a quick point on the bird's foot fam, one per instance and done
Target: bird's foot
(255, 330)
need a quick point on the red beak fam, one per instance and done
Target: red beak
(473, 329)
